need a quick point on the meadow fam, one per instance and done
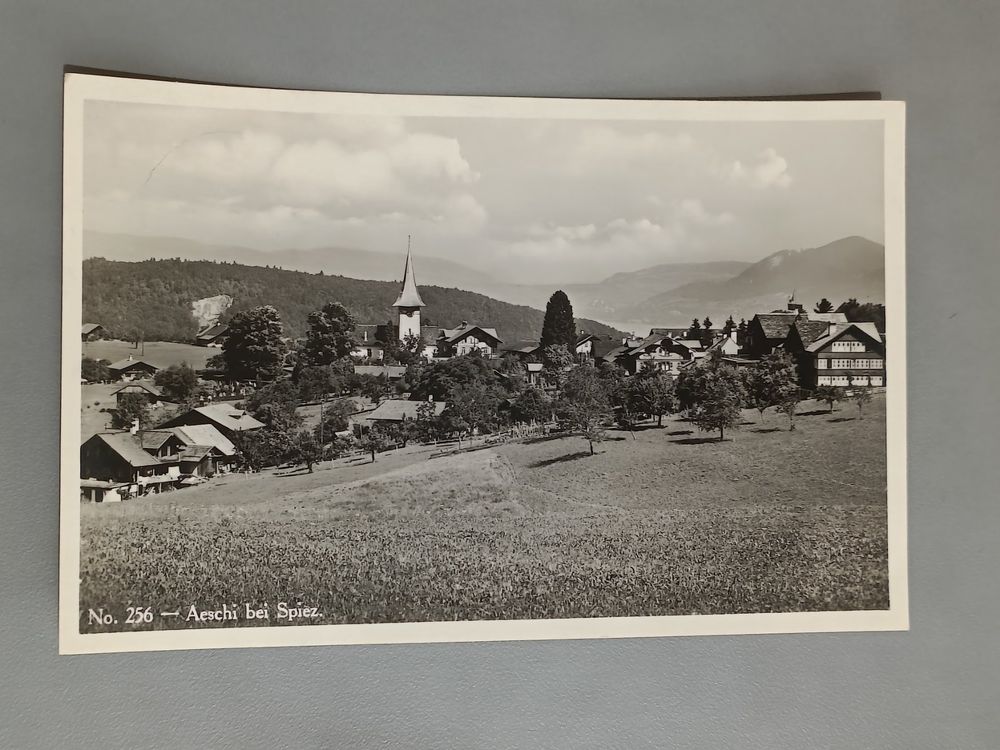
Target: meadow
(159, 353)
(658, 522)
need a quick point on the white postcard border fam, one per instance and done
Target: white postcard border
(80, 87)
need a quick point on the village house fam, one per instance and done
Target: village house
(394, 412)
(659, 352)
(391, 373)
(151, 394)
(131, 368)
(214, 335)
(226, 418)
(465, 339)
(114, 465)
(844, 354)
(526, 351)
(192, 438)
(91, 331)
(583, 349)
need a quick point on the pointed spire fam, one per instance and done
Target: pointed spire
(409, 296)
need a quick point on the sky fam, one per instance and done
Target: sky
(528, 201)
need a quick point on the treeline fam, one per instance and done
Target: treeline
(152, 299)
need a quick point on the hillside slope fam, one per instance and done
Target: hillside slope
(849, 267)
(155, 297)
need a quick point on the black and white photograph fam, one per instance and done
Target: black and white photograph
(369, 368)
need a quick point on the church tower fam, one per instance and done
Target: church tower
(408, 303)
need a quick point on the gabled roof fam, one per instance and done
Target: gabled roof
(454, 335)
(409, 295)
(775, 324)
(691, 343)
(152, 391)
(668, 331)
(128, 447)
(196, 452)
(213, 331)
(151, 440)
(810, 330)
(584, 338)
(229, 417)
(204, 434)
(615, 353)
(366, 333)
(867, 329)
(127, 363)
(522, 347)
(395, 410)
(88, 328)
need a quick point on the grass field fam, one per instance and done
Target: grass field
(159, 353)
(662, 523)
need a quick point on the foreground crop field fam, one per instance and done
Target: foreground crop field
(658, 523)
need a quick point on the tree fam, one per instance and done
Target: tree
(862, 397)
(275, 405)
(407, 351)
(94, 370)
(375, 440)
(132, 408)
(253, 349)
(373, 387)
(694, 330)
(531, 405)
(770, 382)
(586, 404)
(476, 405)
(178, 382)
(861, 312)
(556, 361)
(789, 405)
(305, 449)
(729, 327)
(438, 379)
(558, 326)
(313, 383)
(717, 404)
(265, 447)
(330, 335)
(336, 417)
(823, 306)
(653, 392)
(831, 394)
(741, 333)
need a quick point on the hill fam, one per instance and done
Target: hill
(849, 267)
(155, 296)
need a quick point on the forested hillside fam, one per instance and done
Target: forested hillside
(153, 298)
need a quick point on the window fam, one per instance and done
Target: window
(848, 346)
(822, 364)
(876, 380)
(823, 380)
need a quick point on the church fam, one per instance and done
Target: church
(438, 343)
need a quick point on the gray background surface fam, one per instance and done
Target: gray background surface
(934, 687)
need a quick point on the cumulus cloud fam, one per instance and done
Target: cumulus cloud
(768, 169)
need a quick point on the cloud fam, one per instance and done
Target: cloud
(768, 169)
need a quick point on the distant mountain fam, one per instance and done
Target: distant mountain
(156, 296)
(849, 267)
(339, 261)
(600, 300)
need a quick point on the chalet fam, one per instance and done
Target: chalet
(150, 394)
(846, 354)
(223, 455)
(91, 331)
(226, 418)
(160, 444)
(768, 331)
(394, 412)
(725, 346)
(212, 335)
(368, 342)
(118, 462)
(454, 342)
(131, 368)
(658, 352)
(584, 346)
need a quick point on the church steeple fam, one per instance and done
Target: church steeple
(409, 296)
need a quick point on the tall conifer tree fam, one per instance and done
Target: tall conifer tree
(559, 327)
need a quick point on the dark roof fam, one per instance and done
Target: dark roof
(213, 331)
(128, 446)
(392, 372)
(128, 363)
(226, 416)
(603, 346)
(522, 347)
(583, 338)
(810, 330)
(612, 355)
(90, 328)
(775, 325)
(867, 329)
(668, 331)
(366, 333)
(196, 452)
